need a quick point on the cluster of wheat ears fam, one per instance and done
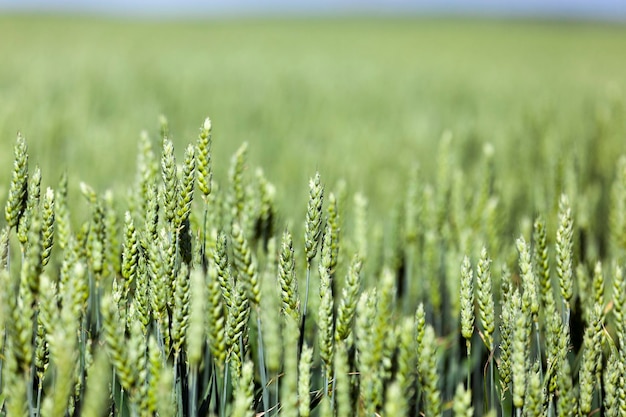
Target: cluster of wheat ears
(202, 306)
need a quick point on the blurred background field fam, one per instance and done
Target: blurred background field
(361, 99)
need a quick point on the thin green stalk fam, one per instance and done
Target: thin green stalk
(262, 370)
(492, 388)
(224, 388)
(193, 391)
(179, 391)
(306, 301)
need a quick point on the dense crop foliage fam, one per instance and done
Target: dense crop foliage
(487, 279)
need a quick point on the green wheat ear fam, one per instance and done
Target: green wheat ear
(169, 193)
(313, 224)
(462, 406)
(349, 300)
(467, 302)
(287, 278)
(16, 202)
(47, 229)
(427, 366)
(564, 247)
(203, 157)
(485, 298)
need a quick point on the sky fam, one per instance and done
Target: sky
(592, 9)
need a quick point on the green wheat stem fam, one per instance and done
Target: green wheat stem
(306, 301)
(193, 392)
(262, 370)
(224, 391)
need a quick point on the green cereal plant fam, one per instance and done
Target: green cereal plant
(141, 297)
(368, 357)
(598, 284)
(164, 127)
(147, 173)
(203, 158)
(237, 327)
(96, 236)
(270, 311)
(462, 405)
(119, 356)
(15, 384)
(349, 300)
(16, 201)
(237, 195)
(312, 233)
(287, 278)
(4, 248)
(216, 318)
(617, 219)
(567, 403)
(342, 381)
(541, 261)
(63, 354)
(420, 325)
(333, 222)
(506, 342)
(245, 264)
(220, 256)
(96, 393)
(396, 404)
(31, 264)
(267, 208)
(47, 229)
(535, 393)
(304, 381)
(169, 194)
(325, 319)
(590, 367)
(156, 374)
(427, 366)
(187, 183)
(244, 392)
(112, 250)
(159, 289)
(32, 206)
(171, 295)
(385, 345)
(61, 213)
(42, 355)
(406, 357)
(611, 383)
(530, 299)
(554, 328)
(619, 305)
(432, 283)
(486, 309)
(130, 253)
(360, 225)
(180, 314)
(289, 380)
(519, 350)
(564, 245)
(151, 220)
(467, 307)
(313, 224)
(247, 273)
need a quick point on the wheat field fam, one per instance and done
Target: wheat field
(342, 217)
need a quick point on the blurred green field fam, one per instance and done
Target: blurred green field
(360, 99)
